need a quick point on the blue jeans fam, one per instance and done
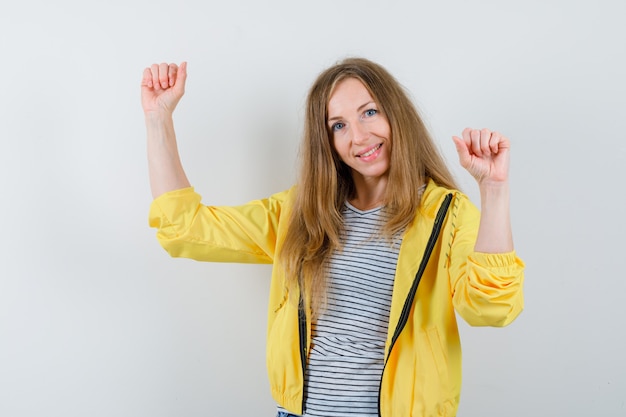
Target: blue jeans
(283, 414)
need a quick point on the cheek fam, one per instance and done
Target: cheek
(383, 129)
(337, 151)
(388, 130)
(338, 144)
(389, 135)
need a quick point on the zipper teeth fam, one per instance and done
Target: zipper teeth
(408, 303)
(303, 336)
(429, 248)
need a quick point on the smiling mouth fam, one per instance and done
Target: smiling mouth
(370, 152)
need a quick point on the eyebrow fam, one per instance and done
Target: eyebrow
(358, 109)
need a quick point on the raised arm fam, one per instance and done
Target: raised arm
(162, 87)
(485, 155)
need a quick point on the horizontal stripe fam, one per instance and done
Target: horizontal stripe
(348, 340)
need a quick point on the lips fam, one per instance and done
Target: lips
(370, 151)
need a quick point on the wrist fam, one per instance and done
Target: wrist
(493, 186)
(158, 117)
(494, 194)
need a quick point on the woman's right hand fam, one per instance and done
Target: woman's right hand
(162, 87)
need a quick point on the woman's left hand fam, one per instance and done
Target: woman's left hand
(484, 154)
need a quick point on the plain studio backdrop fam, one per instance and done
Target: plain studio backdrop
(97, 320)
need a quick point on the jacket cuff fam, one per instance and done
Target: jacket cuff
(506, 265)
(496, 260)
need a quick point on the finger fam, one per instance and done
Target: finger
(171, 74)
(466, 134)
(154, 70)
(494, 142)
(463, 150)
(475, 142)
(504, 144)
(485, 138)
(181, 79)
(163, 75)
(467, 137)
(146, 78)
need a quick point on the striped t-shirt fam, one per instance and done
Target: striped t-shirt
(348, 339)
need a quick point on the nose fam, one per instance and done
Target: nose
(360, 134)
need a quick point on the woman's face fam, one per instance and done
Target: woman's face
(361, 134)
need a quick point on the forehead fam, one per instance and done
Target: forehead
(348, 94)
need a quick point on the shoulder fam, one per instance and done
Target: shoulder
(284, 196)
(461, 212)
(280, 201)
(434, 195)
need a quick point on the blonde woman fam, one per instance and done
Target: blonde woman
(373, 249)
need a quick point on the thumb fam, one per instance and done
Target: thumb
(181, 79)
(146, 78)
(463, 151)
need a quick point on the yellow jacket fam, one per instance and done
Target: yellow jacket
(422, 374)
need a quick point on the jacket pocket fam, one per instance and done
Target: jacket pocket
(446, 405)
(438, 352)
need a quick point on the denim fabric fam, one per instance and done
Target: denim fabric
(283, 414)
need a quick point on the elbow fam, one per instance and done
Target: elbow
(174, 251)
(492, 313)
(173, 242)
(501, 318)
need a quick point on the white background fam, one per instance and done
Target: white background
(97, 320)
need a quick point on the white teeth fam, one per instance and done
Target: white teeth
(368, 153)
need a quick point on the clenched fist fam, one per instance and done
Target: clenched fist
(162, 87)
(484, 154)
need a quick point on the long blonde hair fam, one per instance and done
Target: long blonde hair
(325, 182)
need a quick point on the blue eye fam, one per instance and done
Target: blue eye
(370, 112)
(337, 126)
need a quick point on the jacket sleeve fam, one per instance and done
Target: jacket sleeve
(487, 288)
(246, 234)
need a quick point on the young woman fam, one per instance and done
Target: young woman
(373, 249)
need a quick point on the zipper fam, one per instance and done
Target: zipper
(302, 329)
(408, 303)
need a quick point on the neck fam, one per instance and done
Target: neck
(369, 194)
